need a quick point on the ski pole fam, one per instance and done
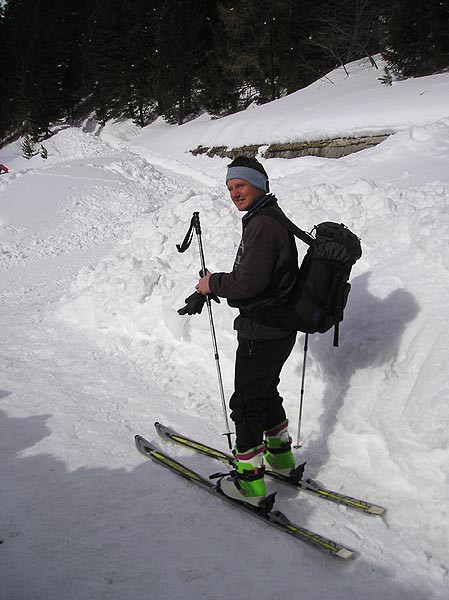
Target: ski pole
(306, 346)
(195, 224)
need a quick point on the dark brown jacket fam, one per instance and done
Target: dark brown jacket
(264, 271)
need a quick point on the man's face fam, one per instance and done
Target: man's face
(243, 194)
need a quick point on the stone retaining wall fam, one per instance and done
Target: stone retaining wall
(330, 148)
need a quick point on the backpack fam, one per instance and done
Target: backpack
(318, 298)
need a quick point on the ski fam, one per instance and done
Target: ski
(307, 485)
(263, 512)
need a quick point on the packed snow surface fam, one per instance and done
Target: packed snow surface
(93, 351)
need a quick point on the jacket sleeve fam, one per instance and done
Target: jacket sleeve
(263, 239)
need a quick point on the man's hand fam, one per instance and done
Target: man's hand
(203, 284)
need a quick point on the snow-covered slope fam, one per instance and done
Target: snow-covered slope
(336, 105)
(94, 351)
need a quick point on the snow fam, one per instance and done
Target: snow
(93, 352)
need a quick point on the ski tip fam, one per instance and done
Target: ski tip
(344, 554)
(143, 445)
(160, 428)
(140, 441)
(376, 510)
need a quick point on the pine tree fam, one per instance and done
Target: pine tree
(241, 61)
(180, 44)
(119, 57)
(42, 51)
(103, 54)
(28, 148)
(387, 77)
(4, 69)
(416, 38)
(72, 17)
(137, 97)
(267, 53)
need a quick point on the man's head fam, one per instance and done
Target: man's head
(247, 181)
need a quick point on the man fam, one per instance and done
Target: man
(264, 273)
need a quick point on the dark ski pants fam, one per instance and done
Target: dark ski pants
(256, 404)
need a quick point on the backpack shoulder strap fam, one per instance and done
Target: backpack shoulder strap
(278, 215)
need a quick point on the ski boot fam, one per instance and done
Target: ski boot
(246, 482)
(279, 456)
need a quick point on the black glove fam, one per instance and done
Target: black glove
(195, 302)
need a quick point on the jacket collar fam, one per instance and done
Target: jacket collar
(267, 200)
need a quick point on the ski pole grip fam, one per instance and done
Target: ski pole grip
(196, 222)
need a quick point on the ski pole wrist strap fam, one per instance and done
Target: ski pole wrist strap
(194, 225)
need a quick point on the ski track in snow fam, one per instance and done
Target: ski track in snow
(93, 351)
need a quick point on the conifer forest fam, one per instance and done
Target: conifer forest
(140, 59)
